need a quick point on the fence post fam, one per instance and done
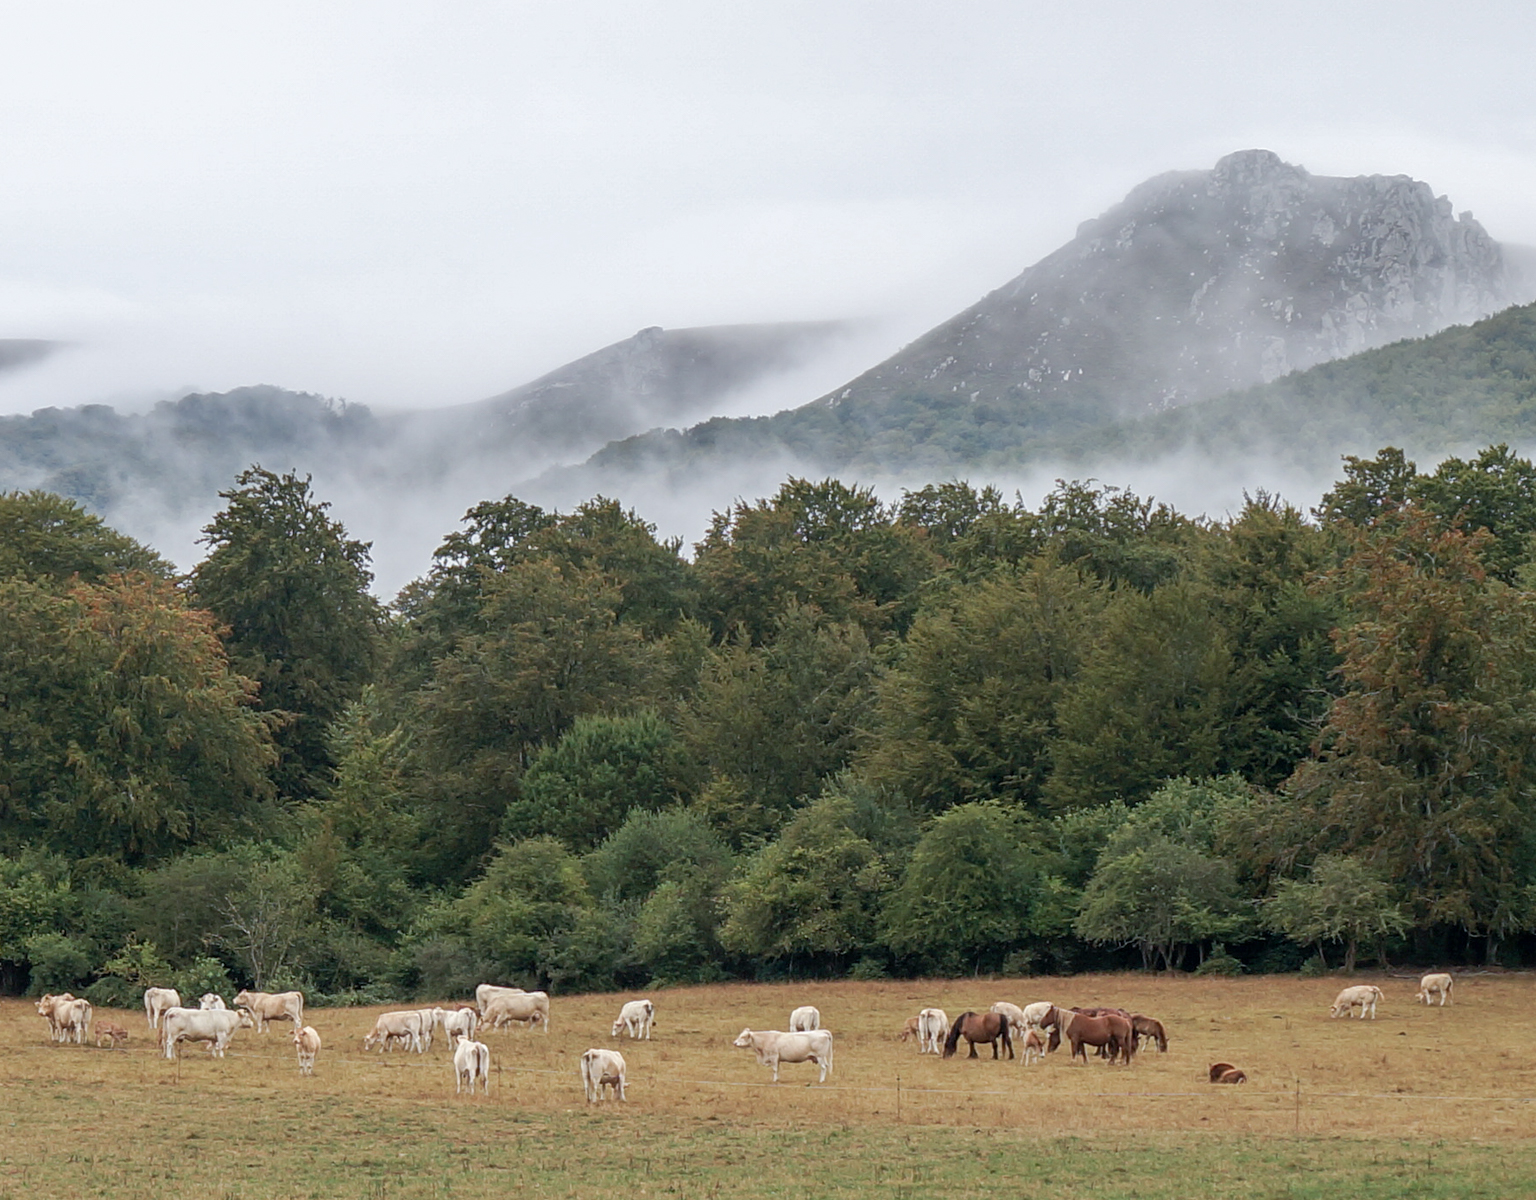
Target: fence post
(1298, 1105)
(898, 1098)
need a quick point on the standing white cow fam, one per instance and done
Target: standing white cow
(1015, 1015)
(600, 1069)
(216, 1026)
(635, 1019)
(932, 1026)
(456, 1021)
(404, 1026)
(773, 1047)
(307, 1042)
(272, 1006)
(1438, 984)
(805, 1019)
(210, 1000)
(487, 992)
(531, 1007)
(53, 1008)
(471, 1062)
(156, 1001)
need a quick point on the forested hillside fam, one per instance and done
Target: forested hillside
(949, 735)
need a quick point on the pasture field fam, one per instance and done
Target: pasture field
(1418, 1103)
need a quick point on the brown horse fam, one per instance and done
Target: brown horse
(979, 1027)
(1146, 1027)
(1110, 1030)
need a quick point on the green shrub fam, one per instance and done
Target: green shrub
(1219, 962)
(869, 968)
(204, 975)
(58, 963)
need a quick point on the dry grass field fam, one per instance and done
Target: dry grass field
(1419, 1102)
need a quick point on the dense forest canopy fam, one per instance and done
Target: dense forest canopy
(951, 734)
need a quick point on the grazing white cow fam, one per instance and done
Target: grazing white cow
(532, 1007)
(156, 1001)
(210, 1000)
(932, 1026)
(1015, 1015)
(307, 1042)
(471, 1061)
(773, 1047)
(635, 1019)
(1363, 995)
(602, 1069)
(487, 992)
(805, 1019)
(396, 1026)
(272, 1006)
(456, 1021)
(216, 1026)
(1438, 984)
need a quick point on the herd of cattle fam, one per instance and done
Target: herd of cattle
(1036, 1028)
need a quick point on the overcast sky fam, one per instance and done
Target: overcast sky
(413, 204)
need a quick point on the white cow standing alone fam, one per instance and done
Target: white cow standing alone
(307, 1041)
(1438, 984)
(216, 1026)
(600, 1069)
(1364, 996)
(805, 1019)
(773, 1047)
(932, 1026)
(156, 1001)
(471, 1061)
(635, 1019)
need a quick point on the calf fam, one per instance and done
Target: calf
(635, 1019)
(602, 1069)
(1439, 984)
(471, 1062)
(113, 1033)
(773, 1047)
(307, 1042)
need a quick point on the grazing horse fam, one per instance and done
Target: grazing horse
(979, 1027)
(1146, 1027)
(1110, 1030)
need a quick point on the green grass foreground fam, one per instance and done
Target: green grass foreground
(219, 1147)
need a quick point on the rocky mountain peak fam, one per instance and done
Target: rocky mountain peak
(1200, 282)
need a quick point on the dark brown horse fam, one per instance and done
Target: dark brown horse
(979, 1027)
(1110, 1030)
(1146, 1027)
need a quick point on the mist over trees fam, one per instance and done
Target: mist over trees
(947, 735)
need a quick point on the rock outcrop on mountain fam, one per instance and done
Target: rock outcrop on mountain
(1200, 282)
